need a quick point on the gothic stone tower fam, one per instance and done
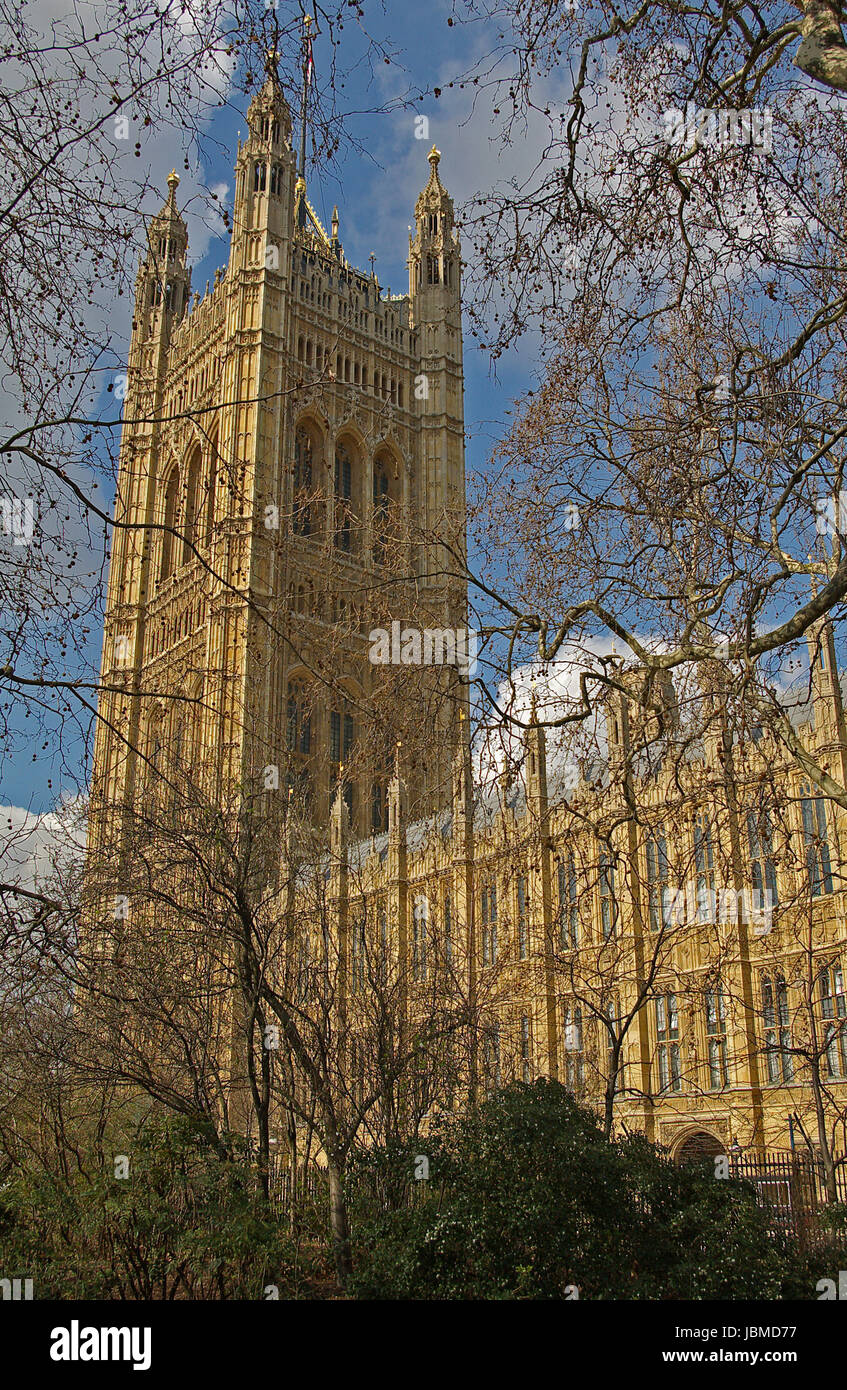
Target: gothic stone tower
(291, 477)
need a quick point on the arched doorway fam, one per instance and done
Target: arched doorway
(699, 1146)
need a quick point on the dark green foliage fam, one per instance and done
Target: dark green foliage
(185, 1224)
(527, 1197)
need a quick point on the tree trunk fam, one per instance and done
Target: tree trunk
(824, 1149)
(339, 1225)
(611, 1089)
(294, 1174)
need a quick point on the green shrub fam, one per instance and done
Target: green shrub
(185, 1224)
(528, 1199)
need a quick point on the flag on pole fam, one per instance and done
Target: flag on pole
(309, 65)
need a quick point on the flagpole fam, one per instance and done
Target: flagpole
(307, 24)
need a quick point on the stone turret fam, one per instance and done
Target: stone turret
(264, 183)
(434, 259)
(535, 747)
(163, 283)
(435, 312)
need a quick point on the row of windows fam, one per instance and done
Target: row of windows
(658, 873)
(188, 509)
(668, 1074)
(348, 478)
(197, 384)
(354, 297)
(422, 953)
(308, 601)
(569, 919)
(300, 788)
(188, 505)
(264, 177)
(302, 743)
(268, 128)
(173, 295)
(779, 1051)
(170, 630)
(668, 1064)
(351, 372)
(438, 271)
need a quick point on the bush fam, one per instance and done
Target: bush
(185, 1224)
(528, 1199)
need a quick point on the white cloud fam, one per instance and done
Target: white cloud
(37, 851)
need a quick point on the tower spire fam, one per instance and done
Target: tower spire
(308, 66)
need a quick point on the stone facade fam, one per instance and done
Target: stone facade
(292, 477)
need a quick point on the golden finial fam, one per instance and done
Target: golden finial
(433, 157)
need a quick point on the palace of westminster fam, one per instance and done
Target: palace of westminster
(671, 916)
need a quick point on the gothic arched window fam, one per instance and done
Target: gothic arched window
(211, 484)
(385, 489)
(170, 520)
(154, 766)
(299, 731)
(302, 515)
(346, 479)
(379, 807)
(341, 735)
(382, 501)
(191, 499)
(777, 1028)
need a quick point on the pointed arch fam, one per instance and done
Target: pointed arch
(348, 492)
(210, 488)
(170, 521)
(307, 509)
(386, 529)
(193, 469)
(343, 749)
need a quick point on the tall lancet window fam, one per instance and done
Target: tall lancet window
(382, 504)
(302, 519)
(345, 482)
(170, 520)
(299, 719)
(191, 501)
(211, 485)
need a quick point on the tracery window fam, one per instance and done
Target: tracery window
(777, 1022)
(299, 722)
(343, 498)
(833, 1004)
(816, 842)
(170, 521)
(716, 1037)
(302, 518)
(667, 1041)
